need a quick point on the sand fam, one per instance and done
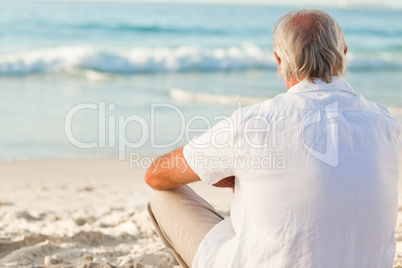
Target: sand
(87, 213)
(82, 213)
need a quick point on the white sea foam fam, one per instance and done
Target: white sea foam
(378, 61)
(44, 60)
(96, 76)
(184, 95)
(136, 60)
(394, 110)
(162, 59)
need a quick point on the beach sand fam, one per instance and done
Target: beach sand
(82, 213)
(88, 213)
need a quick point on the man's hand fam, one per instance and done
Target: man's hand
(170, 171)
(228, 182)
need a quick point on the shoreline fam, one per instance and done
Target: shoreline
(101, 175)
(90, 174)
(96, 170)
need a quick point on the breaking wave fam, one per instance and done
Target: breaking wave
(162, 59)
(136, 60)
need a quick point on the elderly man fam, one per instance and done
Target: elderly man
(314, 170)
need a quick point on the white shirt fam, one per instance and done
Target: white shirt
(316, 181)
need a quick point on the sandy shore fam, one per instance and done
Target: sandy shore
(82, 213)
(87, 213)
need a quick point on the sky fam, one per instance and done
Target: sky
(337, 3)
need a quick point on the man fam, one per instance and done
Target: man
(314, 170)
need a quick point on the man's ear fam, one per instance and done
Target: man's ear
(278, 59)
(345, 50)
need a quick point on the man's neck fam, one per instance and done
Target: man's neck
(292, 81)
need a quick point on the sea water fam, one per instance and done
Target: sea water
(138, 74)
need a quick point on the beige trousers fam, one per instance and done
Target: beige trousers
(182, 219)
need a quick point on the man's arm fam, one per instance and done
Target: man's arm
(171, 171)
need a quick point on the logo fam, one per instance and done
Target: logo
(330, 156)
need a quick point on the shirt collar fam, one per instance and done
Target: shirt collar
(337, 83)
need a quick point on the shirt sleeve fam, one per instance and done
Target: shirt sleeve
(211, 155)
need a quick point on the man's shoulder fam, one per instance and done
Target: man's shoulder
(305, 104)
(279, 103)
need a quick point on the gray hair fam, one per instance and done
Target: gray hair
(310, 44)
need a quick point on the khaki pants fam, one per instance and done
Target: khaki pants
(182, 219)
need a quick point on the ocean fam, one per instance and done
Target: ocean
(89, 79)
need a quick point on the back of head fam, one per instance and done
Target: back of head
(310, 44)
